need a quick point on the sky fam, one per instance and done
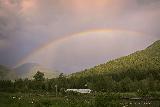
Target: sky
(71, 35)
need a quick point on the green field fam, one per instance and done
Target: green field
(50, 100)
(39, 100)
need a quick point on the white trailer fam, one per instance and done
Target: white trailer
(84, 91)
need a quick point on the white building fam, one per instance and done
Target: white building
(84, 91)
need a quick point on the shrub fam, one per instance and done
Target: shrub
(107, 100)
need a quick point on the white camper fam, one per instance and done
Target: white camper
(84, 91)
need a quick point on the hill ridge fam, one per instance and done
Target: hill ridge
(144, 60)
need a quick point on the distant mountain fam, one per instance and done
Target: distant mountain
(140, 61)
(28, 70)
(6, 73)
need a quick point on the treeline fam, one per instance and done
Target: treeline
(129, 81)
(139, 82)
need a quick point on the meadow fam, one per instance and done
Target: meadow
(77, 100)
(42, 100)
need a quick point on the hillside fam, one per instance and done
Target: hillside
(28, 70)
(140, 61)
(6, 73)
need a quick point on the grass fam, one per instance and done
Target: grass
(37, 100)
(27, 100)
(49, 100)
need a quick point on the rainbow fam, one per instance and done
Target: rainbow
(61, 40)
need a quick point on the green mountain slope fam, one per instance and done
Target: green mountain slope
(141, 61)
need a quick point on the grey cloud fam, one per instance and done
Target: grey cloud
(26, 30)
(146, 2)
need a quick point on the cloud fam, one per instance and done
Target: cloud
(3, 43)
(29, 24)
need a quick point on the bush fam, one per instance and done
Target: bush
(155, 95)
(107, 100)
(142, 93)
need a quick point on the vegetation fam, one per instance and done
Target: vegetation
(138, 71)
(147, 60)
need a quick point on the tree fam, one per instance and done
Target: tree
(39, 76)
(62, 81)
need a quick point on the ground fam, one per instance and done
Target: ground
(50, 100)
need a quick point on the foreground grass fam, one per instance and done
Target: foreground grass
(38, 100)
(50, 100)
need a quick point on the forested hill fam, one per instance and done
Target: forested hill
(137, 63)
